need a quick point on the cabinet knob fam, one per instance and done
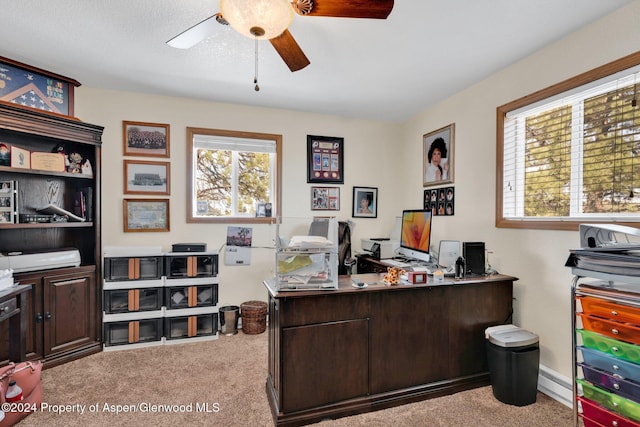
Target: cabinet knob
(3, 309)
(613, 312)
(614, 331)
(38, 318)
(47, 316)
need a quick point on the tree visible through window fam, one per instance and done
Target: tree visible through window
(570, 153)
(231, 174)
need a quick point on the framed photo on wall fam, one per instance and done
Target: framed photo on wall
(145, 139)
(146, 215)
(440, 201)
(325, 198)
(143, 177)
(365, 202)
(325, 159)
(438, 164)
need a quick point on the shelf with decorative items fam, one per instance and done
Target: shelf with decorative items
(39, 215)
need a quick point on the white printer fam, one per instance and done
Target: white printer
(380, 248)
(43, 260)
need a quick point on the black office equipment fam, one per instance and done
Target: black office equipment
(473, 253)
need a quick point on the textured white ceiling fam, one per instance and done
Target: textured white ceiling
(378, 69)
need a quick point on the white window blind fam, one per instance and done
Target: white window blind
(575, 155)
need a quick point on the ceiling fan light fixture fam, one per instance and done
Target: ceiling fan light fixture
(261, 19)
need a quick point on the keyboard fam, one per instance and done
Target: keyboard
(396, 263)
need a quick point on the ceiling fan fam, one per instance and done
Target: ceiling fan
(270, 19)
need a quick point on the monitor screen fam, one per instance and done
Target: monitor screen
(415, 234)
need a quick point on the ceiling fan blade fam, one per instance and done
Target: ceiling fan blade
(194, 35)
(290, 51)
(372, 9)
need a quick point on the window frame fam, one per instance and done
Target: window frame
(277, 204)
(603, 71)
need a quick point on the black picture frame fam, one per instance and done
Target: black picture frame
(325, 159)
(440, 201)
(370, 210)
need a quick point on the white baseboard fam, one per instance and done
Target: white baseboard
(556, 386)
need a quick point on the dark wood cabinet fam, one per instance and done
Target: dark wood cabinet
(347, 351)
(62, 314)
(63, 306)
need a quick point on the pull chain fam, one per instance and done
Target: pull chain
(255, 78)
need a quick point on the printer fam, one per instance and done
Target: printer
(43, 260)
(380, 248)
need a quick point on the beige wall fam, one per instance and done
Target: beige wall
(367, 144)
(387, 156)
(542, 295)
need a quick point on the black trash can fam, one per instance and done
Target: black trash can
(514, 359)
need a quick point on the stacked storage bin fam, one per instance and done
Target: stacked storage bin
(191, 296)
(155, 298)
(133, 297)
(608, 355)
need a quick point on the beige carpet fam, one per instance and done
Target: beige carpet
(226, 377)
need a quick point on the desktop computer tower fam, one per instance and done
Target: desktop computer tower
(473, 253)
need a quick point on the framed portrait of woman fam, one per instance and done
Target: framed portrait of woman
(438, 164)
(365, 202)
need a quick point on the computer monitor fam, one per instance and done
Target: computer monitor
(415, 235)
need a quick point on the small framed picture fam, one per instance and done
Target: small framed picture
(145, 139)
(146, 215)
(365, 202)
(325, 198)
(8, 202)
(143, 177)
(20, 158)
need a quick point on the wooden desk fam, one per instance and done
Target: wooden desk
(13, 304)
(347, 351)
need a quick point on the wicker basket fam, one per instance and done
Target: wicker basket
(254, 317)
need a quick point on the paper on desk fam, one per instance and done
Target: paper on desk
(309, 242)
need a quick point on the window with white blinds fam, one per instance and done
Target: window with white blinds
(571, 153)
(233, 176)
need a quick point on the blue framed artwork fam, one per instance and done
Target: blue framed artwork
(31, 87)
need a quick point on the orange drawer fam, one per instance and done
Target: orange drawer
(621, 331)
(610, 310)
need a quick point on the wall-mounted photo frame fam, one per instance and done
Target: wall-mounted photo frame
(8, 202)
(146, 215)
(438, 165)
(440, 201)
(146, 177)
(325, 198)
(325, 159)
(365, 202)
(145, 139)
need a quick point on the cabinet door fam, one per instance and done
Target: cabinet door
(410, 342)
(70, 310)
(34, 317)
(473, 308)
(324, 363)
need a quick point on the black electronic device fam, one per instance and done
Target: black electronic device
(189, 247)
(473, 254)
(375, 250)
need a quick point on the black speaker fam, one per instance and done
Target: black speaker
(473, 253)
